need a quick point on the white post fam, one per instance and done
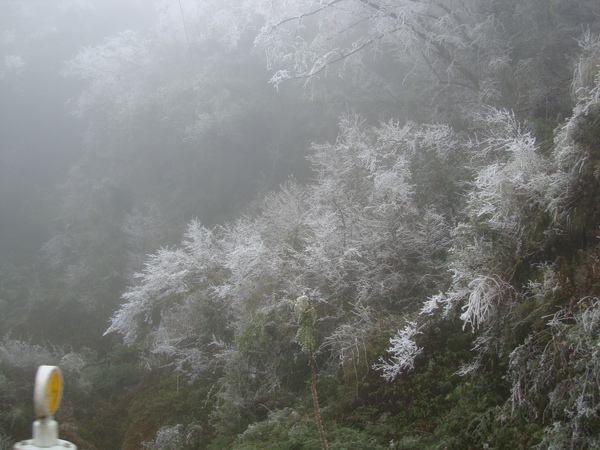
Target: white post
(47, 394)
(45, 432)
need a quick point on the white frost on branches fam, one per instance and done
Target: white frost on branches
(586, 84)
(509, 190)
(356, 237)
(123, 60)
(402, 353)
(485, 293)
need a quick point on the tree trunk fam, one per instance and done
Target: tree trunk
(313, 386)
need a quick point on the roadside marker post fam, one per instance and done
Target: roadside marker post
(47, 394)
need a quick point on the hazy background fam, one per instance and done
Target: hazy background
(117, 128)
(40, 141)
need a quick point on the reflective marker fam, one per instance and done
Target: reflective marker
(47, 394)
(47, 391)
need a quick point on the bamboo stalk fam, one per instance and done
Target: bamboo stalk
(313, 386)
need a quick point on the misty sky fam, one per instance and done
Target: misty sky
(39, 141)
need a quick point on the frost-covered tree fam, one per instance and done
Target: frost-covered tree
(459, 53)
(554, 372)
(506, 200)
(188, 140)
(173, 309)
(173, 437)
(573, 192)
(379, 236)
(402, 353)
(356, 239)
(522, 262)
(123, 61)
(305, 38)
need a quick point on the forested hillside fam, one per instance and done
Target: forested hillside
(302, 224)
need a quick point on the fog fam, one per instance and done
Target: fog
(120, 123)
(39, 139)
(215, 214)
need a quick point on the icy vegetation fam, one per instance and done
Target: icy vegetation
(424, 274)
